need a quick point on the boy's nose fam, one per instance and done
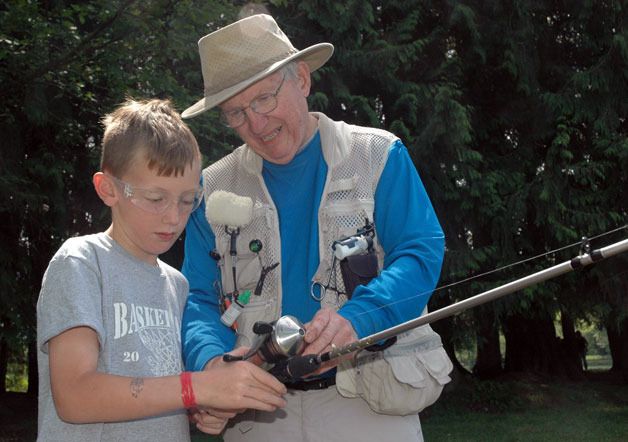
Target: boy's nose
(172, 215)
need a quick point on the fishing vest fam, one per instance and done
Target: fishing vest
(355, 157)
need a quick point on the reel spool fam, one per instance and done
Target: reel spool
(275, 341)
(285, 340)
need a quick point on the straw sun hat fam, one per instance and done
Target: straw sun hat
(238, 55)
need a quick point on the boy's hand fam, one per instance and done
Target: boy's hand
(236, 386)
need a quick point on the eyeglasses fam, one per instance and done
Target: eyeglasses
(262, 104)
(157, 201)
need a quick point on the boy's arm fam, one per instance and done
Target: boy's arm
(204, 336)
(83, 395)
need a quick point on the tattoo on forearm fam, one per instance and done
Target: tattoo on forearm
(137, 384)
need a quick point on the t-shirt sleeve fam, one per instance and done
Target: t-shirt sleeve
(70, 297)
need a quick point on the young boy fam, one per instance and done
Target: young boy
(109, 311)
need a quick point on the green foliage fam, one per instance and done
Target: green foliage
(515, 116)
(64, 65)
(513, 112)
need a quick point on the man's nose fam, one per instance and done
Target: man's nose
(257, 122)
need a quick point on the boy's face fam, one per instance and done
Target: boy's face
(141, 232)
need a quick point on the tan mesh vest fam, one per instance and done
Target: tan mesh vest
(355, 157)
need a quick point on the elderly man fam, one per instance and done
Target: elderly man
(309, 182)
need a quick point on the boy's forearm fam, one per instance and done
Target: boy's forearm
(100, 397)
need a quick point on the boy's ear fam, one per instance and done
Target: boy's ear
(105, 188)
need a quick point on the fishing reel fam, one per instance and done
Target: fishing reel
(275, 341)
(281, 343)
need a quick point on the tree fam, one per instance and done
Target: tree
(512, 112)
(64, 65)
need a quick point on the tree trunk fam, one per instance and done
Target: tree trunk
(614, 344)
(488, 363)
(616, 289)
(33, 378)
(623, 350)
(618, 343)
(570, 345)
(4, 360)
(532, 345)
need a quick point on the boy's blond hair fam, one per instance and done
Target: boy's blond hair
(148, 130)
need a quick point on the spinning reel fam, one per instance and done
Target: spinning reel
(275, 341)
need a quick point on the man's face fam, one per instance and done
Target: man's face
(277, 135)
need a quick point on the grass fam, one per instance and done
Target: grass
(517, 408)
(531, 409)
(598, 362)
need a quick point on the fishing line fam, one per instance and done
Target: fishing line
(489, 272)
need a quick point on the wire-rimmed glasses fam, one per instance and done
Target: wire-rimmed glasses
(262, 104)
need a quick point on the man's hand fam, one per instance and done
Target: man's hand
(326, 329)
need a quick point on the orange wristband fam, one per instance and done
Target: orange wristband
(187, 393)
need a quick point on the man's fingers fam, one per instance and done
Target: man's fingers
(336, 331)
(215, 428)
(219, 413)
(314, 328)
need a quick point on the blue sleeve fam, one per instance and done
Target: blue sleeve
(203, 335)
(413, 241)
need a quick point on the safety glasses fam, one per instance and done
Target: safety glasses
(158, 201)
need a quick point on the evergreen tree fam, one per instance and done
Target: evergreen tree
(514, 113)
(64, 65)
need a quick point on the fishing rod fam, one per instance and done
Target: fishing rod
(294, 366)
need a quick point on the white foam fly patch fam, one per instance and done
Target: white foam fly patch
(229, 209)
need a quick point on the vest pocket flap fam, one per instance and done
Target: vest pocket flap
(343, 184)
(363, 266)
(408, 369)
(437, 364)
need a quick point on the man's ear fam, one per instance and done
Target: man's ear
(304, 78)
(105, 188)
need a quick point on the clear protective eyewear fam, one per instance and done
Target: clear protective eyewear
(158, 201)
(262, 104)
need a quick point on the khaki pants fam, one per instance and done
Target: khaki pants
(322, 416)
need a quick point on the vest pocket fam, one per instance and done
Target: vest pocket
(256, 310)
(401, 380)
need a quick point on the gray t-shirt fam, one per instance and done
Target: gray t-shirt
(135, 309)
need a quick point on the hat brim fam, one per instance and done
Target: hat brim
(315, 56)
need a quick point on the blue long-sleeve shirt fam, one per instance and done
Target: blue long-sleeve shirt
(406, 225)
